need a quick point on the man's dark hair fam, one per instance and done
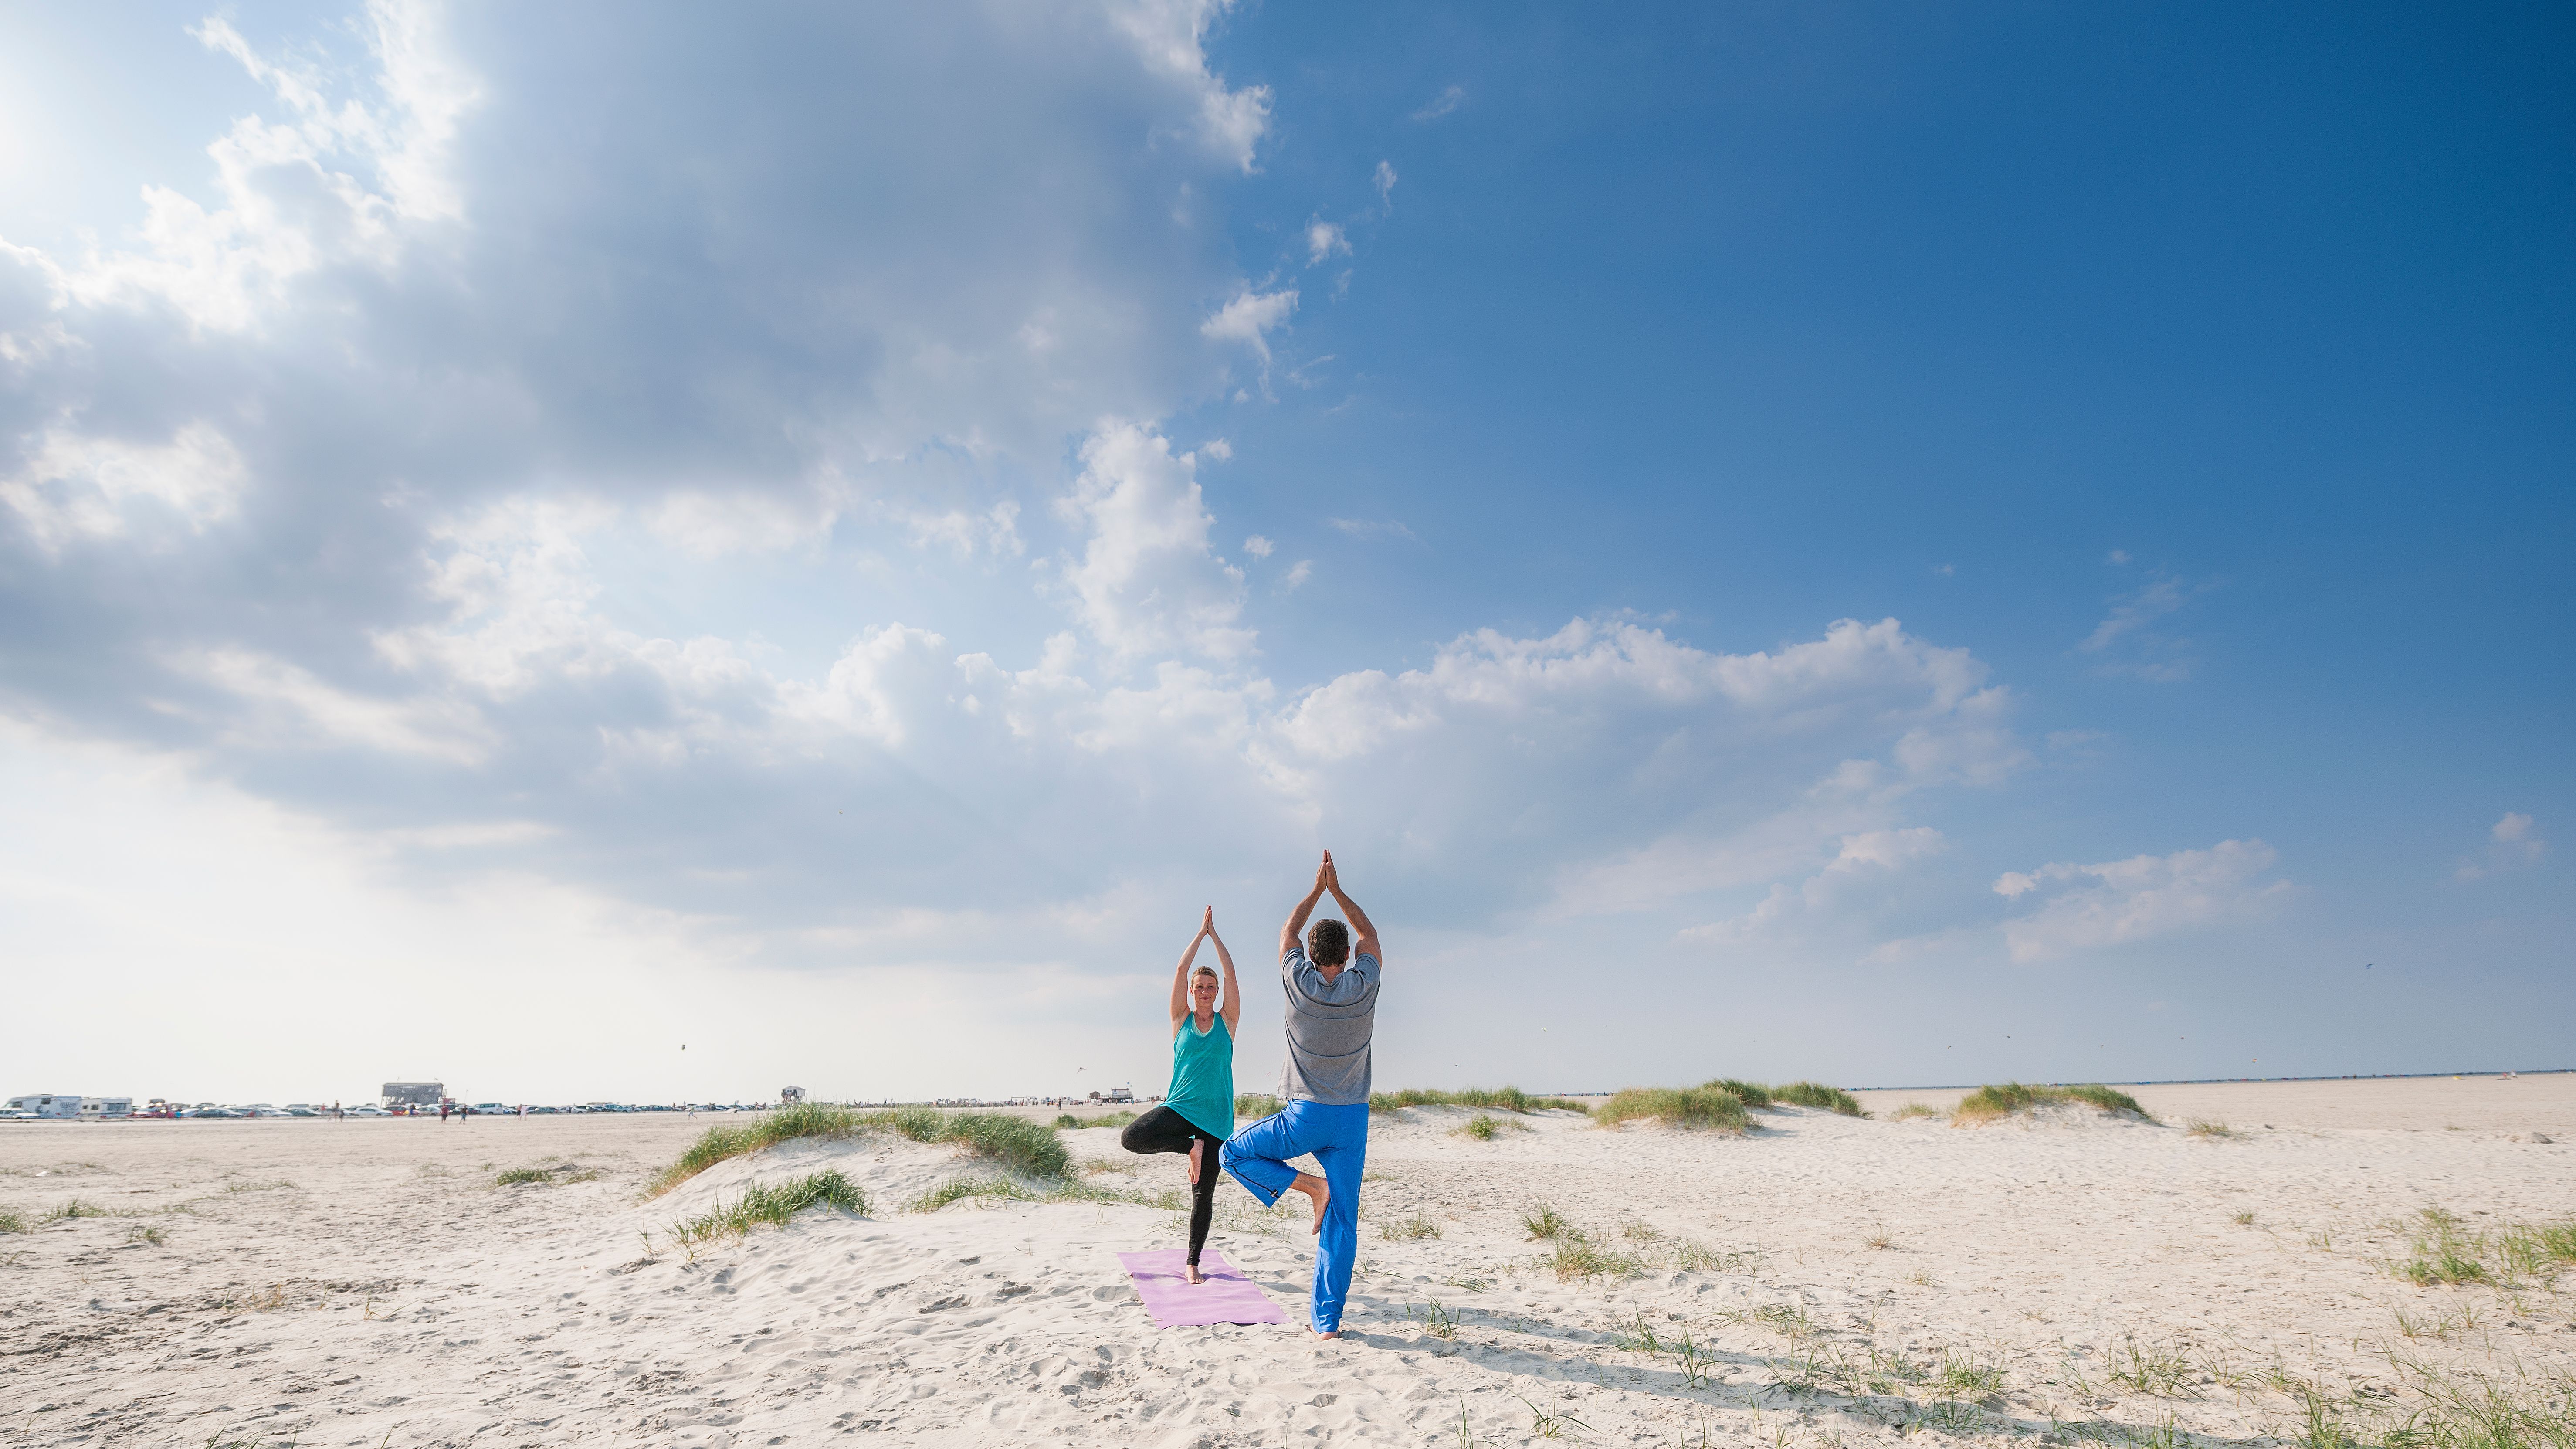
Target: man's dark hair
(1328, 942)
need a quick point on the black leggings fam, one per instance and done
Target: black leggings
(1164, 1130)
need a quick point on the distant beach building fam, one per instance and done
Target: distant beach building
(47, 1104)
(414, 1094)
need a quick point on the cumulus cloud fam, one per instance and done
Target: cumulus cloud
(2083, 907)
(1146, 581)
(1325, 239)
(2513, 843)
(1250, 318)
(75, 483)
(1171, 35)
(810, 559)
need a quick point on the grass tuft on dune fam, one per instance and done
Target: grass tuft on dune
(1700, 1107)
(772, 1203)
(1068, 1121)
(1991, 1101)
(1751, 1094)
(1500, 1099)
(1256, 1104)
(1820, 1096)
(1014, 1142)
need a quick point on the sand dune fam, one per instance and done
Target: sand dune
(1836, 1281)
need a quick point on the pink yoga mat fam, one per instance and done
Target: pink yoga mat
(1226, 1297)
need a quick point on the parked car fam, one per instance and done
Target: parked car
(367, 1112)
(495, 1109)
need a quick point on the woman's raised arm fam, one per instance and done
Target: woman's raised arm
(1181, 973)
(1229, 1005)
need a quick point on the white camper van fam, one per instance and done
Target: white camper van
(46, 1104)
(95, 1109)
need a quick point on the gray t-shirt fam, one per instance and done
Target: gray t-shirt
(1328, 1030)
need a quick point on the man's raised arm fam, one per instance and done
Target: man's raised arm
(1363, 932)
(1297, 919)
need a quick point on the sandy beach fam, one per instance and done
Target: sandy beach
(1821, 1281)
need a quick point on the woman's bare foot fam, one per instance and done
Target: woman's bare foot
(1196, 1277)
(1317, 1190)
(1196, 1147)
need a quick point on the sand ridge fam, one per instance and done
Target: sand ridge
(1836, 1281)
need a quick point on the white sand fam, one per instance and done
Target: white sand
(393, 1294)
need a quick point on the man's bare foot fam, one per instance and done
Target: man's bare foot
(1196, 1147)
(1319, 1192)
(1325, 1332)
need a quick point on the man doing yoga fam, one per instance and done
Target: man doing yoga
(1331, 981)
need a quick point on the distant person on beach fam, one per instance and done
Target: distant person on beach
(1197, 1114)
(1331, 982)
(442, 1110)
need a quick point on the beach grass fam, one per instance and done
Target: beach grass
(1578, 1256)
(1498, 1099)
(518, 1175)
(1696, 1107)
(2202, 1127)
(12, 1221)
(74, 1208)
(2443, 1249)
(1015, 1142)
(719, 1144)
(1406, 1230)
(772, 1203)
(1066, 1120)
(1485, 1127)
(1543, 1223)
(1820, 1096)
(1256, 1104)
(1913, 1110)
(1993, 1101)
(1751, 1094)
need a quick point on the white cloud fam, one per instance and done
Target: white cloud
(2118, 556)
(1441, 104)
(100, 487)
(289, 708)
(1216, 448)
(1147, 581)
(2512, 843)
(2134, 646)
(1259, 547)
(1384, 180)
(2082, 907)
(1325, 239)
(288, 208)
(1834, 902)
(1297, 575)
(1171, 35)
(1250, 317)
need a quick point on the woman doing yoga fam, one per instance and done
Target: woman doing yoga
(1197, 1113)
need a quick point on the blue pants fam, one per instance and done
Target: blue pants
(1338, 1137)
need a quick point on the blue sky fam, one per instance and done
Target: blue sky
(1895, 547)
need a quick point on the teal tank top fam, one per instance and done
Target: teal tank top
(1203, 1076)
